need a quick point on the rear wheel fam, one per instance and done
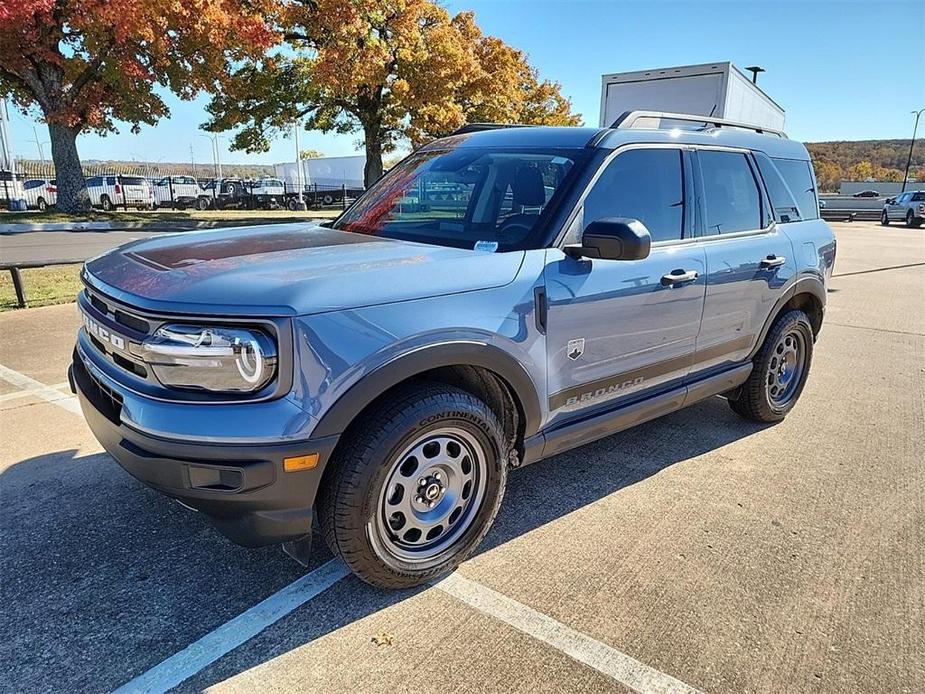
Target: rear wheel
(202, 204)
(106, 203)
(412, 493)
(780, 370)
(884, 218)
(41, 204)
(328, 199)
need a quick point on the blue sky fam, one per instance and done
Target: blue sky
(842, 70)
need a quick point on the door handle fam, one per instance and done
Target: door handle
(679, 277)
(773, 261)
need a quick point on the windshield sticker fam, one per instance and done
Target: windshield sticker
(560, 160)
(486, 246)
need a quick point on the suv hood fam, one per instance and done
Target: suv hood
(288, 269)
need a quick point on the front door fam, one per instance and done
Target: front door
(615, 328)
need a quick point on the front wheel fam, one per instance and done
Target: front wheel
(412, 493)
(779, 372)
(884, 218)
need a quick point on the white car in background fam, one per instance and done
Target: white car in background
(180, 192)
(40, 193)
(113, 190)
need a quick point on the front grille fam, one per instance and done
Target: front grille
(128, 320)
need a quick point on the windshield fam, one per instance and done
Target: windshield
(489, 199)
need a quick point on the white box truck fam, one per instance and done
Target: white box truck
(718, 90)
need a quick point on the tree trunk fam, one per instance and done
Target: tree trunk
(72, 188)
(372, 172)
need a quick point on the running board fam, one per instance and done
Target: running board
(574, 434)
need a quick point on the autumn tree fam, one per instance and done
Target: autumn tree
(84, 64)
(393, 70)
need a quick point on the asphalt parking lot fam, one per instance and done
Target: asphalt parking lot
(697, 550)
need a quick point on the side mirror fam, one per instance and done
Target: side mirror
(613, 238)
(890, 201)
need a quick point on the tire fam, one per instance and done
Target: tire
(411, 438)
(292, 204)
(884, 219)
(910, 219)
(106, 203)
(202, 204)
(775, 384)
(41, 204)
(327, 199)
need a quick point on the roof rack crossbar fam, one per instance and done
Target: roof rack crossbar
(479, 127)
(631, 119)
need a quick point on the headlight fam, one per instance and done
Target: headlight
(213, 358)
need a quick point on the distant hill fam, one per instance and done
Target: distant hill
(860, 160)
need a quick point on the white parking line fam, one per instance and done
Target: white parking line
(23, 393)
(623, 668)
(198, 655)
(47, 393)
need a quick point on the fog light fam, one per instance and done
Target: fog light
(301, 462)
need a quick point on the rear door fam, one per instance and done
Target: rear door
(748, 259)
(615, 328)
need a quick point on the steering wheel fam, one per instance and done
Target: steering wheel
(519, 222)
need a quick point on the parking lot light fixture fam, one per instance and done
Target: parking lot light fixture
(915, 127)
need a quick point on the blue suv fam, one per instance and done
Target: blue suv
(502, 295)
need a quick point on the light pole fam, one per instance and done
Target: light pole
(216, 161)
(911, 145)
(300, 175)
(39, 143)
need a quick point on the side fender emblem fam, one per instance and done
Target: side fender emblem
(575, 348)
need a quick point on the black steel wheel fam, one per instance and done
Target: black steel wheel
(411, 493)
(884, 218)
(779, 372)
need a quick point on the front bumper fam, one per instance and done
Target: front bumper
(243, 489)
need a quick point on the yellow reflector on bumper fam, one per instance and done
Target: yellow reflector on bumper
(301, 462)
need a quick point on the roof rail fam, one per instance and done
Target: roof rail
(478, 127)
(638, 119)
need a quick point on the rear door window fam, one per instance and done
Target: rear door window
(732, 202)
(918, 197)
(644, 184)
(799, 177)
(782, 200)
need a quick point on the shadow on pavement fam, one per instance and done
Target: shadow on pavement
(104, 578)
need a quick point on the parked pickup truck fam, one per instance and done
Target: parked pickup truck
(388, 371)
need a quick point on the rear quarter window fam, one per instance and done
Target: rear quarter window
(799, 177)
(782, 199)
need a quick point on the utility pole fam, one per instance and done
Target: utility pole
(300, 175)
(911, 145)
(192, 159)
